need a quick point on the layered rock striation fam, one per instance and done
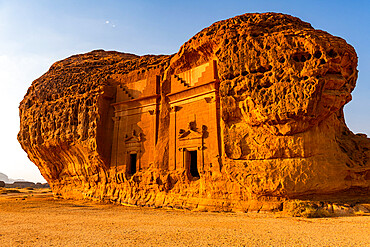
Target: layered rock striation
(276, 89)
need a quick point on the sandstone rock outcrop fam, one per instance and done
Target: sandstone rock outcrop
(247, 114)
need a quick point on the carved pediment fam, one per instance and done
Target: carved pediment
(191, 133)
(134, 137)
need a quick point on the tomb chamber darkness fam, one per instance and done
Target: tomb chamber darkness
(247, 115)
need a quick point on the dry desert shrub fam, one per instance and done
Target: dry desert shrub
(12, 191)
(305, 209)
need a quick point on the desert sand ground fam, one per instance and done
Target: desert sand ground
(33, 218)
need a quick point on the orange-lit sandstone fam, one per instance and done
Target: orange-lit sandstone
(247, 114)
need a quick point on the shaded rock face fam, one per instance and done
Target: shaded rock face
(280, 88)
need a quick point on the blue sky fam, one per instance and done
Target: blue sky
(36, 33)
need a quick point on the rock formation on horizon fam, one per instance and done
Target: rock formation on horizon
(4, 178)
(247, 114)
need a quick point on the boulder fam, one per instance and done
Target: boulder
(247, 114)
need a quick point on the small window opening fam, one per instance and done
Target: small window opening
(194, 164)
(133, 158)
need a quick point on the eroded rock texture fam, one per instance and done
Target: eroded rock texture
(279, 91)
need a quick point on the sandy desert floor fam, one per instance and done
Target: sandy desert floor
(36, 219)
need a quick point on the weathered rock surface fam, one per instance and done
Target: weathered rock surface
(282, 88)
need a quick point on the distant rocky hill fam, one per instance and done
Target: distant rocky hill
(5, 178)
(20, 183)
(26, 185)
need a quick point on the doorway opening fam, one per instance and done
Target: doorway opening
(133, 159)
(194, 164)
